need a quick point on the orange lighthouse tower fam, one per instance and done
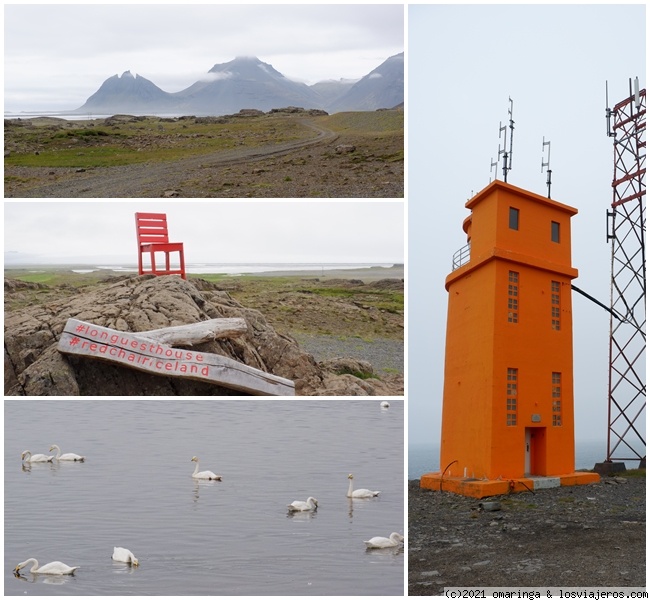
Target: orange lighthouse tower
(507, 419)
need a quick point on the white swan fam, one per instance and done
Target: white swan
(299, 505)
(385, 404)
(395, 539)
(67, 456)
(125, 556)
(203, 474)
(53, 568)
(29, 457)
(361, 493)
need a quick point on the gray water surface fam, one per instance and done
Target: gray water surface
(233, 537)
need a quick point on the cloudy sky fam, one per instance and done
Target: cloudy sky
(219, 232)
(56, 56)
(553, 61)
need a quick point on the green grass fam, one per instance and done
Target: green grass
(366, 122)
(80, 133)
(632, 473)
(56, 277)
(357, 374)
(99, 145)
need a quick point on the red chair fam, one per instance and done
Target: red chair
(152, 235)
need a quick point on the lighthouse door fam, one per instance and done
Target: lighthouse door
(527, 451)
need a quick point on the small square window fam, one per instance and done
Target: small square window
(555, 232)
(514, 218)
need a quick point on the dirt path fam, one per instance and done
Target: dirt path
(152, 180)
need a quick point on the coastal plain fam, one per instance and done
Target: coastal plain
(290, 153)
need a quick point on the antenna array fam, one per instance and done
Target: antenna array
(505, 153)
(547, 164)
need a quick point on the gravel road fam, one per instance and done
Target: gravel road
(149, 180)
(386, 356)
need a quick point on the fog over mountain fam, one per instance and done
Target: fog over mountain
(249, 83)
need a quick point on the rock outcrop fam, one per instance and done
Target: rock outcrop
(34, 366)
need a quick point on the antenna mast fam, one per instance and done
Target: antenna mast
(626, 229)
(505, 153)
(547, 164)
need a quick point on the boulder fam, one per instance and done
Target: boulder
(345, 148)
(34, 367)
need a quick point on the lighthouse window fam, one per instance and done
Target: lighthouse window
(555, 305)
(555, 232)
(513, 297)
(514, 218)
(511, 397)
(556, 395)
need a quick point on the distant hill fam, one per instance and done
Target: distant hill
(331, 90)
(245, 82)
(249, 83)
(128, 93)
(381, 88)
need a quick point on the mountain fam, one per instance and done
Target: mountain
(331, 90)
(245, 82)
(249, 83)
(127, 93)
(383, 87)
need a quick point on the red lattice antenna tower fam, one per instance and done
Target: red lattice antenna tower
(626, 229)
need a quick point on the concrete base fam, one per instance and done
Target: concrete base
(609, 467)
(483, 488)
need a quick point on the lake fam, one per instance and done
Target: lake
(233, 537)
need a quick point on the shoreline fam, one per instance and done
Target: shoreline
(366, 274)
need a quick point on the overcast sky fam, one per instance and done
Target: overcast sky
(464, 62)
(56, 56)
(218, 232)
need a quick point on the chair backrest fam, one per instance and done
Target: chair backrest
(151, 228)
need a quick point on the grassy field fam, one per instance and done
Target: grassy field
(122, 141)
(106, 143)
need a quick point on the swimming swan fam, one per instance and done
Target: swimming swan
(125, 556)
(385, 404)
(53, 568)
(29, 457)
(395, 539)
(359, 493)
(67, 456)
(299, 505)
(203, 474)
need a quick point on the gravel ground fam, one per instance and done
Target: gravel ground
(386, 356)
(308, 168)
(592, 535)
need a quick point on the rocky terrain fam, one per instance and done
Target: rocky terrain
(592, 535)
(35, 315)
(290, 153)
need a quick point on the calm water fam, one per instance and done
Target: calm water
(232, 537)
(425, 458)
(248, 268)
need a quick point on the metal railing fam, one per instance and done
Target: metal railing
(460, 257)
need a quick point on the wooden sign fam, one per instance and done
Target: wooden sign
(136, 351)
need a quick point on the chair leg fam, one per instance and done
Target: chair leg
(182, 259)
